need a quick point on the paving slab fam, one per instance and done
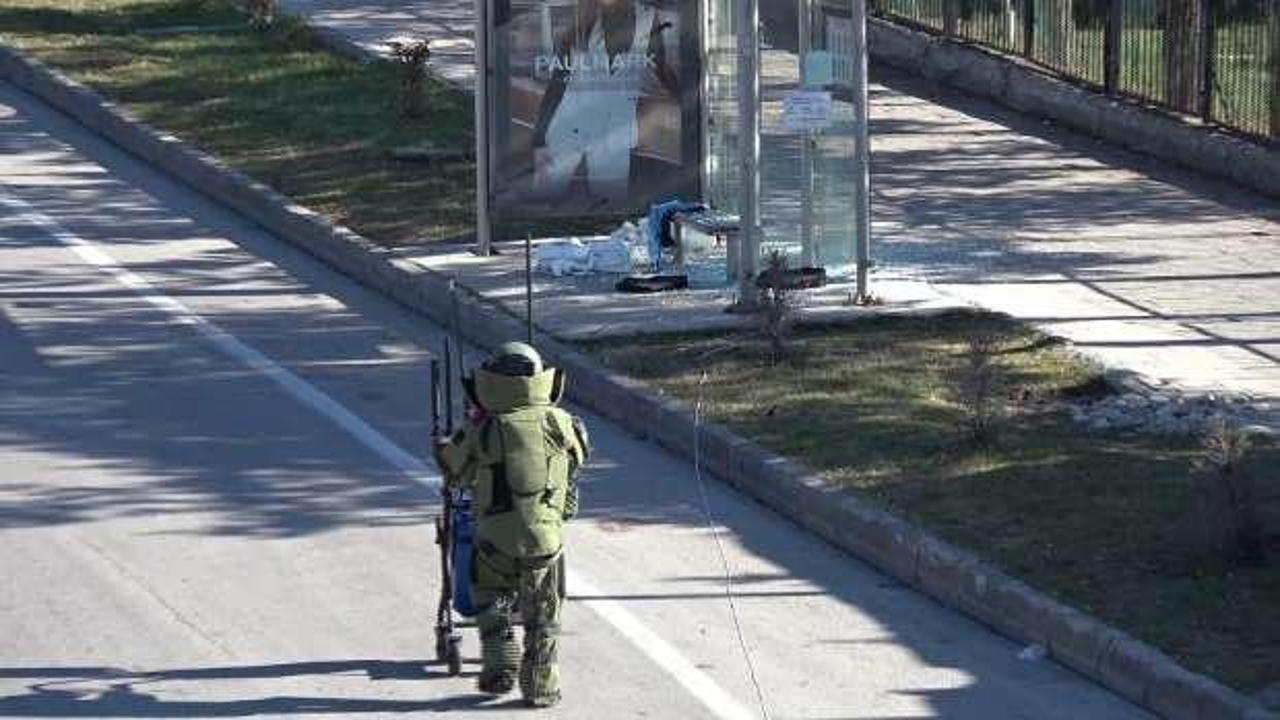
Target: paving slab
(585, 307)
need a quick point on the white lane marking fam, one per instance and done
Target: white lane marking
(661, 652)
(666, 656)
(231, 346)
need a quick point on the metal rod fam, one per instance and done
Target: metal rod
(448, 387)
(435, 397)
(455, 335)
(528, 287)
(862, 151)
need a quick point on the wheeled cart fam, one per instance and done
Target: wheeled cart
(455, 534)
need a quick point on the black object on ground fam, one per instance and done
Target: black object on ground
(653, 283)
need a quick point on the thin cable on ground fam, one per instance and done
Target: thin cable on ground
(724, 559)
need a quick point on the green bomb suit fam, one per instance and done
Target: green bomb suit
(519, 463)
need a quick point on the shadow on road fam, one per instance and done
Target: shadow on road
(104, 692)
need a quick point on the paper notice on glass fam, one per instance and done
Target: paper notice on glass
(819, 68)
(807, 110)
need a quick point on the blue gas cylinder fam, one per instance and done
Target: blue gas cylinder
(464, 536)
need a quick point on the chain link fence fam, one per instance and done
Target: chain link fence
(1216, 59)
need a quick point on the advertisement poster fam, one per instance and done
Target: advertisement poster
(594, 106)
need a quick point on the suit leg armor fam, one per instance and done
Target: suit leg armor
(541, 595)
(496, 595)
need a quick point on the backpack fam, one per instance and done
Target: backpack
(522, 488)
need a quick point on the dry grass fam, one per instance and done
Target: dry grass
(1094, 520)
(271, 102)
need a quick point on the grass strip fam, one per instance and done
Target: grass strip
(315, 126)
(1103, 522)
(274, 104)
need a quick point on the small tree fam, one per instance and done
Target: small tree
(977, 386)
(777, 306)
(1226, 498)
(413, 57)
(262, 13)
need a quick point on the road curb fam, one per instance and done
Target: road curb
(951, 575)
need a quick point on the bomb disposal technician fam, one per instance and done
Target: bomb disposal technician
(518, 456)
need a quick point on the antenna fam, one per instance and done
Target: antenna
(528, 287)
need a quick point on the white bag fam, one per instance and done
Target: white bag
(610, 256)
(563, 257)
(635, 235)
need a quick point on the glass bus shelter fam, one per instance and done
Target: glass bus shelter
(755, 107)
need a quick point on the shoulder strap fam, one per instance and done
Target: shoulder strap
(568, 432)
(491, 427)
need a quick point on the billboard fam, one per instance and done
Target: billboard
(594, 105)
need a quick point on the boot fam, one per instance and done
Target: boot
(540, 685)
(499, 682)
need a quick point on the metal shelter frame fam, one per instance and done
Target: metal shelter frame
(748, 112)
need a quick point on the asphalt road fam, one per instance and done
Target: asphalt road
(213, 503)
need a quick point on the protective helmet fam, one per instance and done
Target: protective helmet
(515, 358)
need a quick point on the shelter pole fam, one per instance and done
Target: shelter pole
(484, 224)
(749, 149)
(862, 152)
(809, 250)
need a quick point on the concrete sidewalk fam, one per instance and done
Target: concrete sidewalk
(1149, 268)
(447, 24)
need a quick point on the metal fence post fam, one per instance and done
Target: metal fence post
(1181, 53)
(1029, 28)
(1204, 101)
(950, 17)
(1273, 31)
(1057, 31)
(1111, 47)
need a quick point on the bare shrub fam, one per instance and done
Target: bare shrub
(412, 56)
(777, 306)
(262, 13)
(977, 385)
(1227, 513)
